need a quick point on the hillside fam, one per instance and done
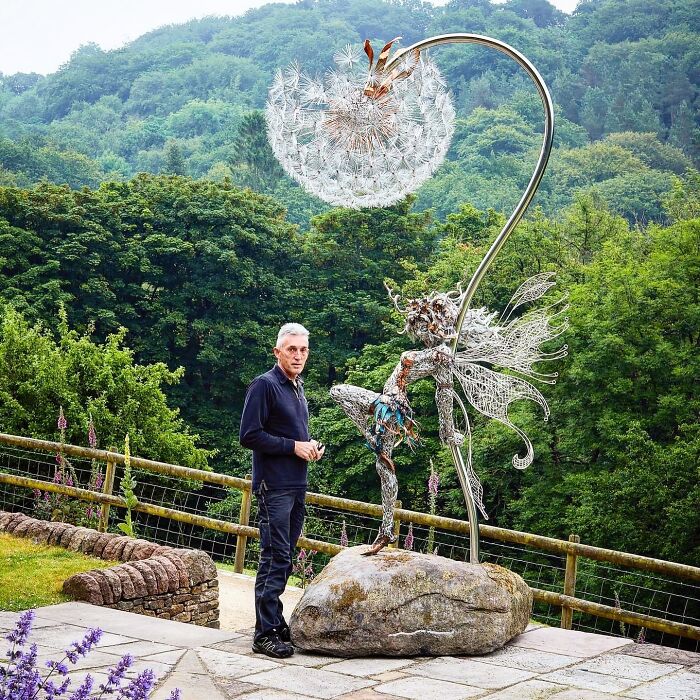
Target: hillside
(624, 76)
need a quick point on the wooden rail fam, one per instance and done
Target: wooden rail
(571, 549)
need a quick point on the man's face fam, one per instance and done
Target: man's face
(292, 354)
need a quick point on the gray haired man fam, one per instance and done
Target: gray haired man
(275, 425)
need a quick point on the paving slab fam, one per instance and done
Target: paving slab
(303, 658)
(191, 663)
(223, 664)
(368, 667)
(168, 657)
(366, 694)
(580, 678)
(568, 642)
(8, 620)
(273, 695)
(313, 682)
(578, 694)
(63, 636)
(529, 659)
(625, 666)
(135, 626)
(530, 690)
(662, 654)
(191, 687)
(237, 600)
(469, 672)
(682, 685)
(139, 648)
(388, 676)
(428, 689)
(95, 659)
(160, 670)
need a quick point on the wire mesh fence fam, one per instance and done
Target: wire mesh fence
(622, 588)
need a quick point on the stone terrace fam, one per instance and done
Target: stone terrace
(208, 664)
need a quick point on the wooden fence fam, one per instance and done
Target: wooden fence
(572, 549)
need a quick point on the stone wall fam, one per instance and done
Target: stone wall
(165, 582)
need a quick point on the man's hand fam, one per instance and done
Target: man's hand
(306, 450)
(320, 449)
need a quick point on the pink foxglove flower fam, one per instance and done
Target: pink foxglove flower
(92, 435)
(408, 541)
(343, 536)
(62, 422)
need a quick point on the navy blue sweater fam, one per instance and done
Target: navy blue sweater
(275, 415)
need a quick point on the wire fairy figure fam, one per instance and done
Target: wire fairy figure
(486, 343)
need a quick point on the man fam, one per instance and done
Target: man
(275, 425)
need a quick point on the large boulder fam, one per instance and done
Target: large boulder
(401, 603)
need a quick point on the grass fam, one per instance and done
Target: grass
(31, 575)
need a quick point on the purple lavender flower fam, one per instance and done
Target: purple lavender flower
(84, 689)
(92, 435)
(408, 540)
(57, 666)
(116, 674)
(53, 691)
(22, 629)
(139, 688)
(62, 422)
(343, 536)
(175, 695)
(81, 648)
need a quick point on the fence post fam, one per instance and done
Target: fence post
(397, 527)
(243, 519)
(107, 490)
(567, 614)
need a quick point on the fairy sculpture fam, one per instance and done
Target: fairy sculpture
(366, 135)
(508, 342)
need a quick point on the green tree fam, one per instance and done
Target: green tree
(40, 372)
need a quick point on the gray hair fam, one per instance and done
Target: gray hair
(290, 329)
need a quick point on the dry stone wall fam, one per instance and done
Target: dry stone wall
(165, 582)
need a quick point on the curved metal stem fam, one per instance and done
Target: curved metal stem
(505, 231)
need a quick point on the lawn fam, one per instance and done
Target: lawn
(31, 575)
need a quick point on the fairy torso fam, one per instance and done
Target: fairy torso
(417, 364)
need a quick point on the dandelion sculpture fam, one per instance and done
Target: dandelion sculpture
(367, 136)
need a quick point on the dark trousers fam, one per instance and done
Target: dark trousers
(281, 515)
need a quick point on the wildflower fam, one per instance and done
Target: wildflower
(53, 691)
(62, 422)
(116, 674)
(408, 541)
(433, 481)
(84, 690)
(21, 631)
(58, 667)
(343, 536)
(92, 435)
(302, 555)
(175, 695)
(140, 687)
(81, 648)
(642, 636)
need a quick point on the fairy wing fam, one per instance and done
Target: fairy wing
(515, 345)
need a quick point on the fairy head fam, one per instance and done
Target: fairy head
(432, 319)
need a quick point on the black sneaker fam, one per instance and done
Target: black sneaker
(271, 645)
(284, 633)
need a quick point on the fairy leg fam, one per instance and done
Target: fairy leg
(356, 403)
(390, 489)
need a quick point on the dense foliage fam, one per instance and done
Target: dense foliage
(202, 272)
(178, 100)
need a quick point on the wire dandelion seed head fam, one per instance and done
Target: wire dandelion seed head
(361, 137)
